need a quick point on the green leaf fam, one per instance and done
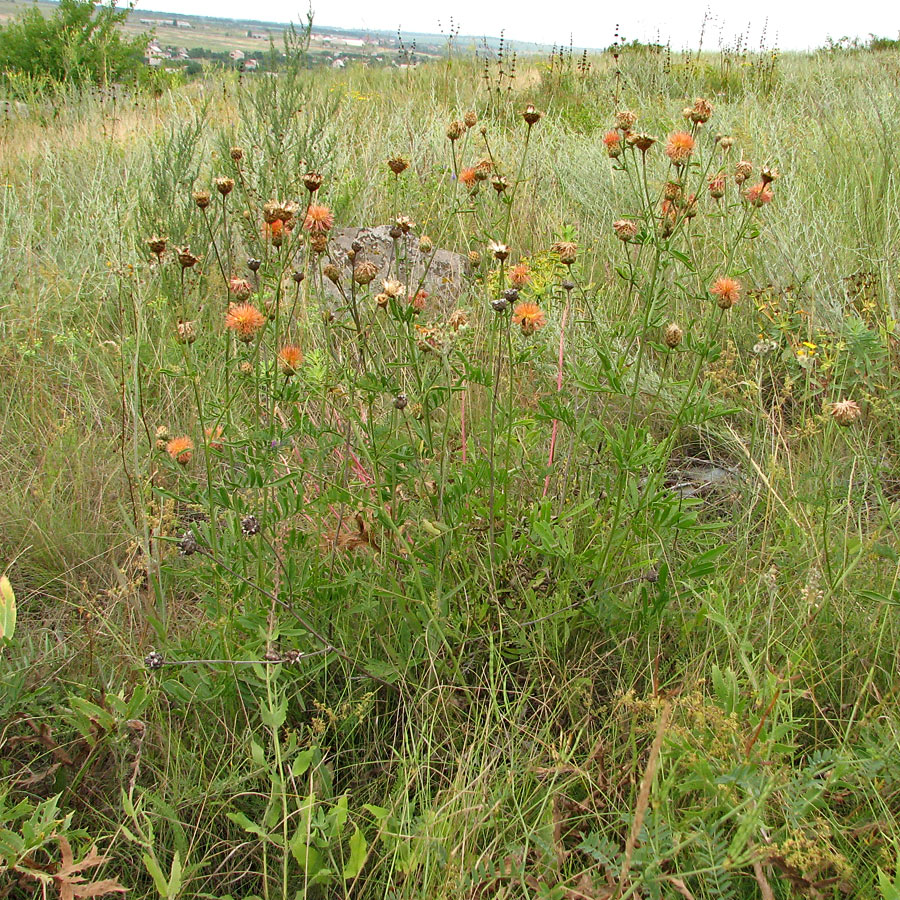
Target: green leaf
(273, 716)
(302, 762)
(338, 816)
(247, 824)
(358, 853)
(152, 866)
(175, 876)
(258, 754)
(7, 610)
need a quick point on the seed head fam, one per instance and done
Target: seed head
(312, 181)
(531, 115)
(499, 183)
(742, 171)
(202, 199)
(162, 436)
(154, 659)
(157, 245)
(499, 251)
(382, 300)
(474, 259)
(529, 317)
(186, 332)
(395, 231)
(254, 264)
(459, 318)
(180, 449)
(671, 190)
(405, 224)
(318, 241)
(625, 120)
(679, 147)
(567, 251)
(455, 130)
(690, 206)
(727, 291)
(499, 305)
(725, 142)
(186, 258)
(246, 367)
(701, 112)
(401, 401)
(224, 186)
(298, 276)
(290, 358)
(249, 526)
(332, 273)
(393, 288)
(470, 118)
(673, 335)
(245, 320)
(769, 174)
(237, 153)
(625, 230)
(845, 412)
(364, 272)
(642, 141)
(398, 164)
(426, 245)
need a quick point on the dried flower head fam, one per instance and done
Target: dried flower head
(671, 190)
(625, 120)
(318, 241)
(531, 115)
(249, 526)
(202, 199)
(642, 141)
(474, 258)
(186, 332)
(187, 259)
(162, 436)
(290, 358)
(240, 287)
(401, 401)
(393, 288)
(717, 186)
(567, 251)
(245, 367)
(742, 171)
(520, 275)
(398, 164)
(254, 264)
(458, 319)
(180, 449)
(319, 218)
(725, 142)
(673, 335)
(845, 412)
(613, 143)
(365, 272)
(237, 154)
(312, 181)
(187, 546)
(426, 245)
(701, 112)
(690, 206)
(499, 305)
(332, 273)
(417, 300)
(759, 195)
(470, 119)
(625, 229)
(405, 224)
(245, 320)
(679, 147)
(727, 291)
(455, 130)
(499, 251)
(157, 245)
(529, 317)
(224, 186)
(499, 183)
(769, 174)
(382, 300)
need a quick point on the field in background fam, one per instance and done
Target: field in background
(544, 692)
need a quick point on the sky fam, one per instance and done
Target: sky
(788, 24)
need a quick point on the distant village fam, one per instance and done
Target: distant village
(336, 50)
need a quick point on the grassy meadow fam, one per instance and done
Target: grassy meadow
(575, 580)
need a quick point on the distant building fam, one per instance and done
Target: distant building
(183, 24)
(354, 42)
(237, 55)
(338, 64)
(250, 65)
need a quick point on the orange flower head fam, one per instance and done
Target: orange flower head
(469, 177)
(180, 449)
(275, 228)
(613, 143)
(520, 275)
(760, 194)
(679, 147)
(214, 437)
(319, 218)
(727, 291)
(290, 358)
(417, 300)
(529, 317)
(245, 320)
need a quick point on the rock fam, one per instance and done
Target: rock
(444, 278)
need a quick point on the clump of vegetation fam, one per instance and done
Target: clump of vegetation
(537, 542)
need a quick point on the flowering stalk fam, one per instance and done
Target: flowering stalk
(559, 384)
